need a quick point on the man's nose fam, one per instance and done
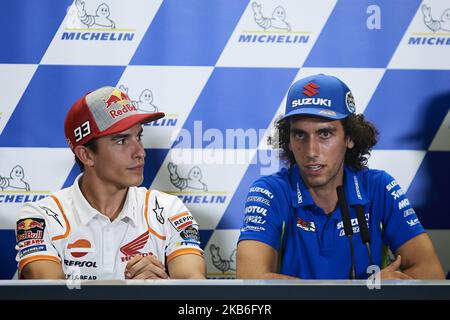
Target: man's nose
(139, 150)
(312, 147)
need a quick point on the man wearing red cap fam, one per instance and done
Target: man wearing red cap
(328, 216)
(104, 226)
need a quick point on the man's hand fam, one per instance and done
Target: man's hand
(145, 268)
(391, 272)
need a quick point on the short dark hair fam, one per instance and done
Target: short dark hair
(363, 133)
(93, 145)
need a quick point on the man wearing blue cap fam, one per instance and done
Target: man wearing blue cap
(328, 216)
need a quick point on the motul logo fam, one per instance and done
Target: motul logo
(310, 89)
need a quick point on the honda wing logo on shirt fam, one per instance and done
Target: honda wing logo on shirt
(132, 248)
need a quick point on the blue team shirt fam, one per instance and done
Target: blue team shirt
(281, 213)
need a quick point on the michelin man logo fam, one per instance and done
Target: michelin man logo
(145, 102)
(223, 265)
(436, 25)
(15, 180)
(193, 181)
(276, 22)
(99, 20)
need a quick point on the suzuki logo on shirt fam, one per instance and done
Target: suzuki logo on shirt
(355, 225)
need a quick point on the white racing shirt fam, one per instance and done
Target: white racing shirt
(65, 228)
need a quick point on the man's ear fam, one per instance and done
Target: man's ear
(350, 143)
(85, 155)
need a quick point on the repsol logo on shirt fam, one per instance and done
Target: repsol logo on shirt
(86, 264)
(311, 101)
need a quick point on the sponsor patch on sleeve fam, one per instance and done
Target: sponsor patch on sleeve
(190, 234)
(32, 249)
(30, 229)
(181, 221)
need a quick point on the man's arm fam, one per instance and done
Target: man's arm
(257, 260)
(42, 269)
(187, 266)
(419, 259)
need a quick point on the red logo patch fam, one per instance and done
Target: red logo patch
(310, 89)
(79, 248)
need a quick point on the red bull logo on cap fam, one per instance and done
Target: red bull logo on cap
(117, 96)
(121, 98)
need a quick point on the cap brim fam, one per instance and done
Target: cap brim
(318, 112)
(130, 121)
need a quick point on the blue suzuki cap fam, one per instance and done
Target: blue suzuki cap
(320, 95)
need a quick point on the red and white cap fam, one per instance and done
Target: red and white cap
(102, 112)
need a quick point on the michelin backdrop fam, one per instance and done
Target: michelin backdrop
(220, 70)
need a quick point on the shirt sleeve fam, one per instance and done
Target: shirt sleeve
(33, 240)
(400, 221)
(183, 236)
(262, 215)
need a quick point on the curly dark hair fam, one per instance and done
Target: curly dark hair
(363, 133)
